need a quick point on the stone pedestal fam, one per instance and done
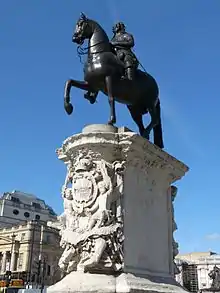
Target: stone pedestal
(118, 217)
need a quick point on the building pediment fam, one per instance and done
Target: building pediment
(5, 240)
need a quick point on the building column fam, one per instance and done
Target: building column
(3, 268)
(13, 261)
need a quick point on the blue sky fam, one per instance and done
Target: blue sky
(177, 42)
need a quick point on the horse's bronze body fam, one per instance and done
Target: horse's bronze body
(103, 71)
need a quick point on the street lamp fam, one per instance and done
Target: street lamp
(43, 276)
(34, 222)
(12, 247)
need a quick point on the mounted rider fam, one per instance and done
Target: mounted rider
(123, 43)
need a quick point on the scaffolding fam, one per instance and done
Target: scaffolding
(190, 277)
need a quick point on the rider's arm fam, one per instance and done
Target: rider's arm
(126, 41)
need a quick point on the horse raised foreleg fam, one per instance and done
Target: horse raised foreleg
(111, 100)
(83, 85)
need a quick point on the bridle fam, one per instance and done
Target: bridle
(83, 51)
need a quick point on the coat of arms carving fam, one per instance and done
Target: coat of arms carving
(92, 235)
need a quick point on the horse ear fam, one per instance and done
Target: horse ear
(82, 16)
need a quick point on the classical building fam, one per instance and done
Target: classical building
(33, 249)
(195, 268)
(17, 207)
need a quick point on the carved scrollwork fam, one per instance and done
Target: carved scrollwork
(173, 193)
(92, 226)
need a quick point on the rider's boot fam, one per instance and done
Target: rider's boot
(130, 73)
(91, 96)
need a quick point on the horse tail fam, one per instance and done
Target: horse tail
(158, 133)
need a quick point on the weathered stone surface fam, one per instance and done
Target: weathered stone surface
(118, 215)
(85, 282)
(125, 283)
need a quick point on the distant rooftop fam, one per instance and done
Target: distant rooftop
(18, 192)
(27, 198)
(196, 254)
(198, 257)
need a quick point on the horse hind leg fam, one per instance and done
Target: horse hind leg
(155, 124)
(136, 115)
(158, 132)
(154, 121)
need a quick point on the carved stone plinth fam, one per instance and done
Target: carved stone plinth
(118, 221)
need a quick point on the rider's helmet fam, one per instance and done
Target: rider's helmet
(119, 26)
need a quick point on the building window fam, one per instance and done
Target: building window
(20, 261)
(15, 212)
(47, 239)
(48, 270)
(22, 236)
(33, 278)
(27, 215)
(15, 199)
(37, 217)
(36, 205)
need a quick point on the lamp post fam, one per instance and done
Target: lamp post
(34, 222)
(40, 262)
(12, 248)
(43, 276)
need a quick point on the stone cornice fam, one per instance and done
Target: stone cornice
(151, 156)
(127, 146)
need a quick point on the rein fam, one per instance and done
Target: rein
(83, 51)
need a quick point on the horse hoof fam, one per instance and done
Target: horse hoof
(69, 108)
(111, 122)
(146, 135)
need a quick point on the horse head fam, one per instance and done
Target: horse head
(83, 30)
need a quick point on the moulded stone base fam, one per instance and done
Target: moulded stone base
(126, 283)
(98, 283)
(83, 283)
(104, 128)
(99, 128)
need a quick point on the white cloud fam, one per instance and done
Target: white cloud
(213, 236)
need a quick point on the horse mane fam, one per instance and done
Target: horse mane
(98, 28)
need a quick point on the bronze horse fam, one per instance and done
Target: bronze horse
(103, 71)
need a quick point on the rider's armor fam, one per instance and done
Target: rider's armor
(123, 42)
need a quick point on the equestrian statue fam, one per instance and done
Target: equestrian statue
(215, 276)
(112, 68)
